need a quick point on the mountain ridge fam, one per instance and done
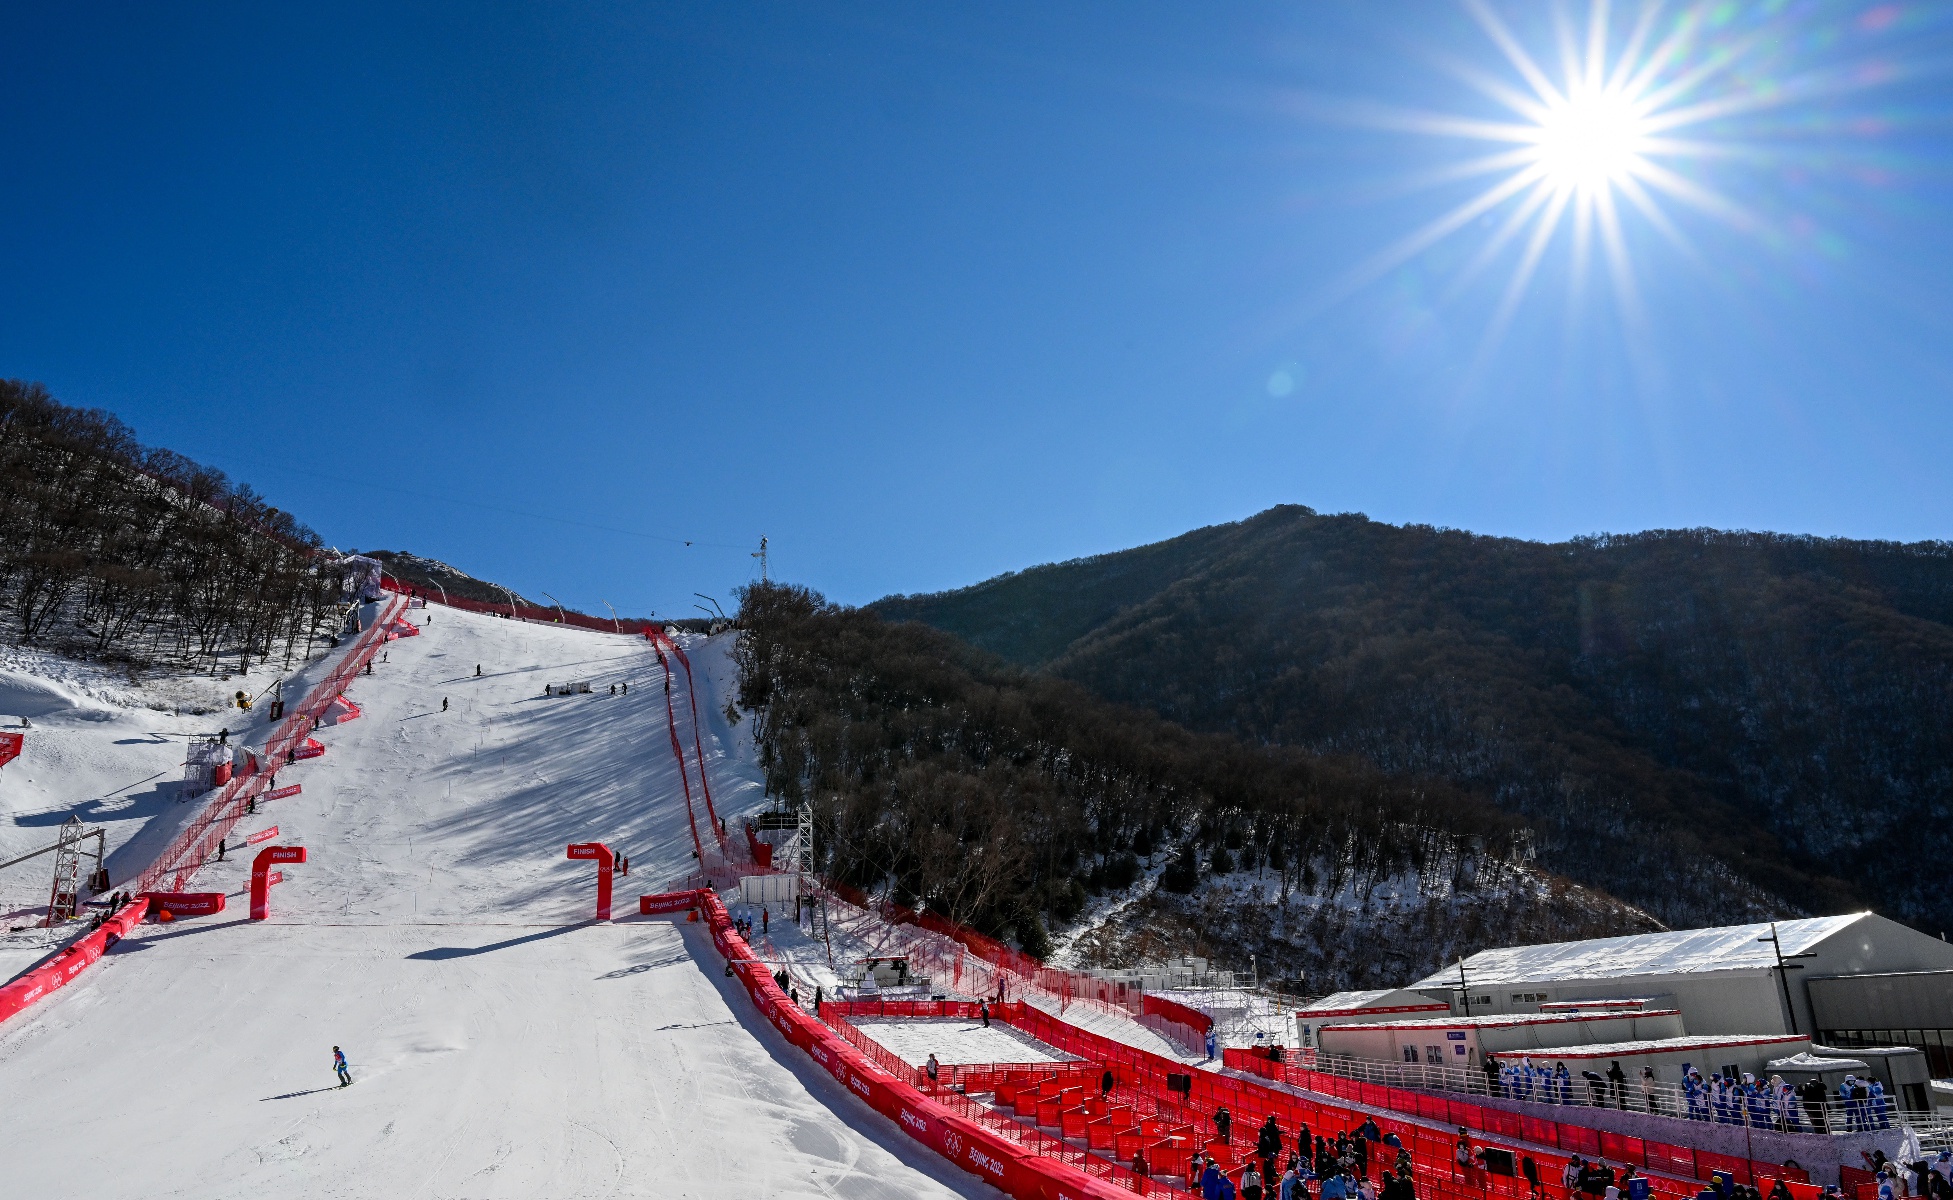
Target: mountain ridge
(1713, 725)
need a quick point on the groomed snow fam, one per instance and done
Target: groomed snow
(955, 1041)
(503, 1045)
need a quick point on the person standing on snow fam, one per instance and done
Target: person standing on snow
(983, 1010)
(339, 1066)
(932, 1068)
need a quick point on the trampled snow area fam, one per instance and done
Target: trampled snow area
(954, 1042)
(502, 1043)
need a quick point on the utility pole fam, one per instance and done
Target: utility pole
(1783, 974)
(761, 555)
(1464, 991)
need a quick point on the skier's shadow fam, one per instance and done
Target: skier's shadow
(442, 953)
(295, 1095)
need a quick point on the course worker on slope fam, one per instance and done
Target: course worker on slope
(339, 1066)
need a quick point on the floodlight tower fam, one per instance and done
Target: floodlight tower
(761, 555)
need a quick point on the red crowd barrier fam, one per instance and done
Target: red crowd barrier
(186, 904)
(665, 902)
(928, 1119)
(1179, 1013)
(290, 741)
(72, 960)
(1662, 1157)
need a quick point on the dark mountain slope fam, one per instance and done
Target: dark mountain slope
(1706, 724)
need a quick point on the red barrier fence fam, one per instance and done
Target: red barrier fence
(945, 1121)
(187, 852)
(1574, 1139)
(56, 972)
(523, 612)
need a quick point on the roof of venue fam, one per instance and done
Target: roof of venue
(1680, 952)
(1388, 1000)
(1502, 1020)
(1674, 1045)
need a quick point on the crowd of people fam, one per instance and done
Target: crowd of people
(1317, 1167)
(1860, 1104)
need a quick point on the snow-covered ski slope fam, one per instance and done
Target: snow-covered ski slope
(502, 1043)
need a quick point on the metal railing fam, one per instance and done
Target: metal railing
(1730, 1107)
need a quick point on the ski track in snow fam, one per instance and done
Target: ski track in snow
(502, 1042)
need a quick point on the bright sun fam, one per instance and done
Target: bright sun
(1590, 142)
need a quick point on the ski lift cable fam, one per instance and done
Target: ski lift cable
(516, 512)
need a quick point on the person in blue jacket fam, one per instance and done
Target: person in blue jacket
(1210, 1182)
(339, 1067)
(1564, 1078)
(1881, 1116)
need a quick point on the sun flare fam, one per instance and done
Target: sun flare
(1591, 141)
(1595, 128)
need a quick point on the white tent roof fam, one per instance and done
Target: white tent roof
(1682, 952)
(1339, 1002)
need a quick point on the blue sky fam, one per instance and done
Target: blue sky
(929, 292)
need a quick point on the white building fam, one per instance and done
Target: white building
(1342, 1008)
(1724, 980)
(1464, 1041)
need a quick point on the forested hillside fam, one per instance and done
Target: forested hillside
(113, 550)
(1709, 725)
(1004, 799)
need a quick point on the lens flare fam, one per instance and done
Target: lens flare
(1591, 141)
(1622, 123)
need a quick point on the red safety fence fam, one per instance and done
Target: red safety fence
(10, 744)
(187, 852)
(1179, 1013)
(1034, 1168)
(1663, 1157)
(58, 971)
(522, 612)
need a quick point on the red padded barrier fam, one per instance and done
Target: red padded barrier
(665, 902)
(187, 904)
(71, 961)
(283, 792)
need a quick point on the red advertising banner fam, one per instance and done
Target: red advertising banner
(283, 792)
(262, 835)
(10, 744)
(665, 902)
(186, 904)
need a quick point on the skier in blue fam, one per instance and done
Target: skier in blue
(339, 1065)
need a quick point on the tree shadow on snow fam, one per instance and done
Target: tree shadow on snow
(850, 1108)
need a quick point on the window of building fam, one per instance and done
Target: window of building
(1434, 1055)
(1410, 1054)
(1528, 997)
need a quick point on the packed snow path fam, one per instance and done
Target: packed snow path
(957, 1041)
(502, 1044)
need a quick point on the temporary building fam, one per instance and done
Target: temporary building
(1344, 1008)
(1464, 1041)
(1724, 980)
